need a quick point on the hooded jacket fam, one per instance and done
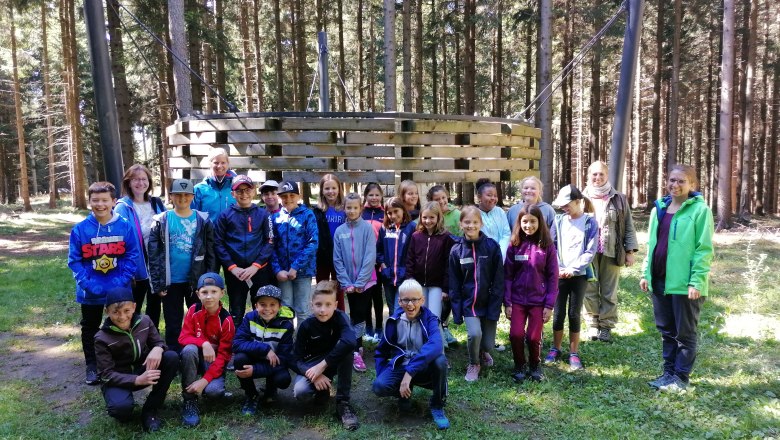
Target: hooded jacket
(120, 353)
(203, 258)
(125, 207)
(243, 237)
(102, 257)
(257, 337)
(589, 244)
(391, 247)
(390, 355)
(426, 260)
(476, 274)
(212, 197)
(199, 327)
(690, 251)
(354, 254)
(531, 275)
(295, 241)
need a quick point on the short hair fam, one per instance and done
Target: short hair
(128, 178)
(434, 189)
(392, 203)
(409, 286)
(216, 152)
(483, 184)
(102, 187)
(325, 287)
(117, 305)
(436, 209)
(689, 171)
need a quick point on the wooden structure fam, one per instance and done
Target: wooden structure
(357, 147)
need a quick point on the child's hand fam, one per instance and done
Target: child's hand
(249, 272)
(273, 359)
(508, 312)
(316, 371)
(281, 275)
(162, 293)
(198, 386)
(322, 383)
(246, 373)
(406, 391)
(445, 296)
(292, 274)
(208, 352)
(350, 289)
(382, 267)
(547, 314)
(359, 290)
(237, 272)
(149, 377)
(565, 273)
(153, 359)
(643, 285)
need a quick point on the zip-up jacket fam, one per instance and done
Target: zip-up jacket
(218, 329)
(391, 248)
(212, 197)
(257, 337)
(452, 220)
(244, 237)
(120, 353)
(619, 236)
(354, 254)
(126, 208)
(331, 340)
(496, 226)
(426, 260)
(589, 244)
(547, 212)
(374, 216)
(102, 257)
(390, 355)
(476, 273)
(203, 259)
(531, 275)
(295, 241)
(690, 245)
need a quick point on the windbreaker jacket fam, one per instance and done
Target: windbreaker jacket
(374, 216)
(331, 340)
(212, 197)
(391, 248)
(203, 257)
(120, 353)
(391, 355)
(547, 211)
(531, 275)
(495, 226)
(295, 241)
(690, 245)
(427, 259)
(354, 254)
(476, 273)
(126, 208)
(590, 243)
(102, 257)
(218, 330)
(620, 235)
(244, 237)
(452, 221)
(257, 337)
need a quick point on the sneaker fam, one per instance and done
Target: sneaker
(449, 338)
(593, 333)
(605, 335)
(348, 417)
(378, 336)
(487, 359)
(536, 374)
(661, 380)
(674, 386)
(553, 356)
(92, 377)
(472, 373)
(439, 418)
(405, 405)
(151, 422)
(230, 366)
(251, 406)
(519, 374)
(575, 363)
(500, 348)
(357, 361)
(190, 415)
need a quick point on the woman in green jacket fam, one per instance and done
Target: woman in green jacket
(676, 270)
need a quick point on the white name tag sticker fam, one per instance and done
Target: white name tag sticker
(466, 260)
(521, 257)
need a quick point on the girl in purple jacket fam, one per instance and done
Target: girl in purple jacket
(531, 287)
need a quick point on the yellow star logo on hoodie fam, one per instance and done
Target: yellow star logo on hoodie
(104, 264)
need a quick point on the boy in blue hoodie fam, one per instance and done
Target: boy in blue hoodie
(263, 347)
(411, 352)
(103, 253)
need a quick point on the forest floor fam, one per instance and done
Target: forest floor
(736, 383)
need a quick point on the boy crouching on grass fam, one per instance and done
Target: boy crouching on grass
(263, 347)
(411, 352)
(131, 355)
(207, 341)
(323, 348)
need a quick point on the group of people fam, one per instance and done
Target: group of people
(424, 261)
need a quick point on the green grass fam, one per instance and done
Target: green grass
(735, 379)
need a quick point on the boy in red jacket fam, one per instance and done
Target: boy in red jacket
(207, 341)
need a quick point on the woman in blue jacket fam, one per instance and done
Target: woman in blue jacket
(214, 194)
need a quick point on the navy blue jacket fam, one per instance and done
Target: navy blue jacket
(391, 248)
(390, 355)
(476, 272)
(256, 337)
(243, 236)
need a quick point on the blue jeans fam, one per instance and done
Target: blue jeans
(388, 382)
(297, 294)
(433, 299)
(192, 367)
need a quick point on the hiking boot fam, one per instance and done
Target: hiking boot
(487, 359)
(519, 374)
(92, 377)
(674, 385)
(553, 356)
(405, 405)
(605, 335)
(251, 406)
(449, 338)
(348, 417)
(575, 363)
(472, 373)
(151, 422)
(439, 418)
(357, 361)
(536, 374)
(190, 414)
(593, 333)
(661, 380)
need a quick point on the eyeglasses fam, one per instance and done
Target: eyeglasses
(406, 301)
(244, 191)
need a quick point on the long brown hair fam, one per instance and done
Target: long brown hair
(542, 234)
(128, 178)
(395, 202)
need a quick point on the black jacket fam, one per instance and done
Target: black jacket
(330, 340)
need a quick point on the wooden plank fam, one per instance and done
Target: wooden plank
(453, 176)
(347, 124)
(277, 163)
(201, 125)
(434, 126)
(494, 164)
(406, 139)
(521, 153)
(456, 152)
(197, 138)
(197, 174)
(398, 164)
(500, 140)
(526, 130)
(338, 150)
(511, 176)
(233, 150)
(281, 137)
(385, 178)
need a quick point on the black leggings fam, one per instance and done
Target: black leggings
(378, 303)
(571, 290)
(359, 310)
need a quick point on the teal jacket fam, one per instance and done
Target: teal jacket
(690, 245)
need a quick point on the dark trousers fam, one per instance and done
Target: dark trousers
(275, 377)
(446, 310)
(519, 334)
(571, 291)
(359, 310)
(91, 318)
(119, 401)
(143, 290)
(238, 290)
(377, 303)
(391, 296)
(304, 389)
(388, 382)
(677, 318)
(326, 272)
(173, 309)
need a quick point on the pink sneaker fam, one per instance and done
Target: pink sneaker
(357, 361)
(487, 359)
(472, 373)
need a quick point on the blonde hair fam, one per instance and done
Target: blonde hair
(326, 287)
(538, 183)
(409, 286)
(404, 188)
(470, 210)
(435, 208)
(216, 152)
(321, 202)
(689, 171)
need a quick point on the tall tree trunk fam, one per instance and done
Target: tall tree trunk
(529, 44)
(247, 55)
(70, 66)
(406, 52)
(564, 172)
(342, 62)
(774, 139)
(434, 29)
(445, 90)
(196, 17)
(300, 38)
(674, 101)
(259, 84)
(361, 60)
(120, 82)
(371, 63)
(418, 57)
(497, 84)
(48, 106)
(594, 141)
(24, 189)
(470, 57)
(762, 160)
(545, 110)
(726, 96)
(390, 69)
(747, 115)
(655, 136)
(219, 54)
(181, 76)
(280, 103)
